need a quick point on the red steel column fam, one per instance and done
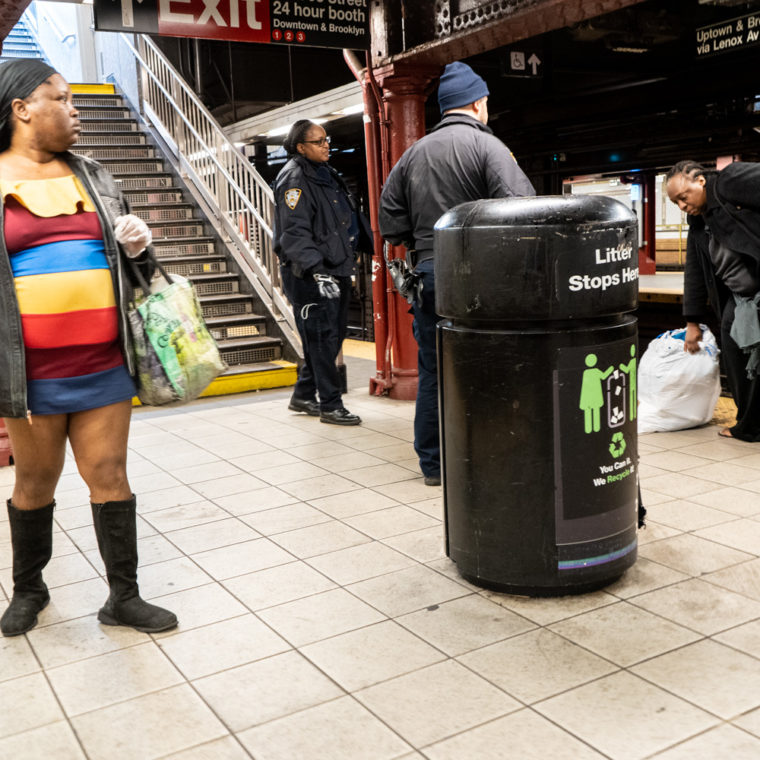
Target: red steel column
(375, 136)
(405, 89)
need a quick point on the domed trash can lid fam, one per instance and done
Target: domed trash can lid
(544, 258)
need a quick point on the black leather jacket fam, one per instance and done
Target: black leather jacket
(109, 203)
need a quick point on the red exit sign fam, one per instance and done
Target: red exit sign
(317, 23)
(242, 20)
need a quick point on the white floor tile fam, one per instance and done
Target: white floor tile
(709, 675)
(265, 690)
(219, 646)
(522, 734)
(104, 680)
(319, 616)
(436, 702)
(338, 730)
(626, 718)
(28, 702)
(169, 721)
(55, 740)
(371, 654)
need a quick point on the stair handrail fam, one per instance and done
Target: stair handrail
(30, 23)
(235, 193)
(59, 33)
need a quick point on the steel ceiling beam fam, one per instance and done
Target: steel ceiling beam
(519, 20)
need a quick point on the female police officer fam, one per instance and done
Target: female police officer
(316, 230)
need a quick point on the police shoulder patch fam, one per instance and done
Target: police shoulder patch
(292, 197)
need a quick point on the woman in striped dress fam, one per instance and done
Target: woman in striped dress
(66, 370)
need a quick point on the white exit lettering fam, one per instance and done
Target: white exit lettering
(168, 13)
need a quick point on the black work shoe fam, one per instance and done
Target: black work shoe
(432, 480)
(138, 614)
(304, 405)
(21, 615)
(340, 417)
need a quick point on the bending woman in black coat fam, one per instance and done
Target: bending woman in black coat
(723, 269)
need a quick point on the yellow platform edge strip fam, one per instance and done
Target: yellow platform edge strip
(93, 89)
(225, 385)
(358, 349)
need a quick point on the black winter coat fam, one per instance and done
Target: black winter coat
(732, 215)
(460, 160)
(312, 220)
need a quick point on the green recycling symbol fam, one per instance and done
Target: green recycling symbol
(617, 445)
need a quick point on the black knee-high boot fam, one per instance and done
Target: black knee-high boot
(116, 530)
(32, 542)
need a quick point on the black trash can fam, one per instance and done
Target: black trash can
(537, 357)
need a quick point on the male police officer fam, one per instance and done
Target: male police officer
(460, 160)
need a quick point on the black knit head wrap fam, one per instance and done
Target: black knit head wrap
(19, 78)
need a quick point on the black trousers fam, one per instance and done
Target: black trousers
(322, 324)
(746, 392)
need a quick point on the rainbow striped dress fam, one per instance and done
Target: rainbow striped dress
(65, 295)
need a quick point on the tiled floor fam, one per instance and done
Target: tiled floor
(321, 619)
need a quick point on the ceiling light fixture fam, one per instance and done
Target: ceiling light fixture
(628, 49)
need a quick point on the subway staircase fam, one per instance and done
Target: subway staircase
(20, 43)
(183, 241)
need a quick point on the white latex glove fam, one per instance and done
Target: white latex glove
(328, 286)
(133, 234)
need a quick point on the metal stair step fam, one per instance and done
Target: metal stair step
(216, 283)
(118, 166)
(111, 104)
(167, 211)
(136, 197)
(114, 125)
(104, 111)
(241, 369)
(261, 348)
(236, 326)
(179, 228)
(188, 247)
(126, 152)
(152, 181)
(83, 101)
(226, 305)
(22, 54)
(108, 139)
(194, 265)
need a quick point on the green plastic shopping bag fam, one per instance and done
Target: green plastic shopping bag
(176, 355)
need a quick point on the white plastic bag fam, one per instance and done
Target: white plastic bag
(677, 390)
